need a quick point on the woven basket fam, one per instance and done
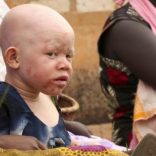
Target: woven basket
(68, 106)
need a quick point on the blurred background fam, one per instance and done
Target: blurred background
(87, 18)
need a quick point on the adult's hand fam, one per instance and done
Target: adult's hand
(20, 142)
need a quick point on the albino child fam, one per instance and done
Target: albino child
(37, 45)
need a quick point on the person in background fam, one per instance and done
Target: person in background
(127, 53)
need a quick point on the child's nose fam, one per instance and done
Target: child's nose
(65, 64)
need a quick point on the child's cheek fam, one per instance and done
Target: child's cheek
(28, 71)
(47, 85)
(31, 73)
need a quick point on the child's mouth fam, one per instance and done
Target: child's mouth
(61, 81)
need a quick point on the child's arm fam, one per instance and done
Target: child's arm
(20, 142)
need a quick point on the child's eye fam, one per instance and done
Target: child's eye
(51, 54)
(69, 56)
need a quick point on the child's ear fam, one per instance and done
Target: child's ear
(11, 57)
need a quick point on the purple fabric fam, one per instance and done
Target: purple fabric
(94, 140)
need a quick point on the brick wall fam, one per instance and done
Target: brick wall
(78, 5)
(71, 5)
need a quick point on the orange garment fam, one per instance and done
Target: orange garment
(144, 113)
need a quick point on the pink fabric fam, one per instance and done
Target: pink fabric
(145, 9)
(119, 2)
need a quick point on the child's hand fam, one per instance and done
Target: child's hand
(20, 142)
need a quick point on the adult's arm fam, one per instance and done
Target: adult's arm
(77, 128)
(134, 44)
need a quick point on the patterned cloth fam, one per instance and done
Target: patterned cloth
(145, 9)
(91, 150)
(118, 83)
(17, 118)
(66, 151)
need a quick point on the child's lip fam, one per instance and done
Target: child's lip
(62, 78)
(62, 81)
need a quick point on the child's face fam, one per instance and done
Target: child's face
(46, 65)
(38, 50)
